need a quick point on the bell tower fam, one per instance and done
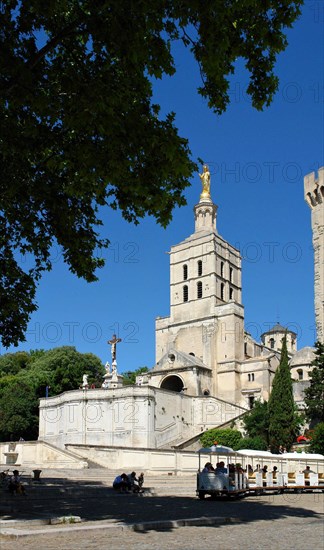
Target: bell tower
(206, 314)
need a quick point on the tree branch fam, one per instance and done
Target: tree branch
(31, 64)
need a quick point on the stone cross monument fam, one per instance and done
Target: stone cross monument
(112, 379)
(314, 196)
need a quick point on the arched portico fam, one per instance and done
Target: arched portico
(172, 383)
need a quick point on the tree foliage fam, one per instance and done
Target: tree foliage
(221, 436)
(284, 420)
(130, 376)
(314, 394)
(256, 421)
(80, 130)
(317, 442)
(18, 411)
(12, 363)
(64, 367)
(22, 383)
(232, 438)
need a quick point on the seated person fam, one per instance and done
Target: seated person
(231, 475)
(264, 474)
(120, 483)
(133, 484)
(220, 469)
(15, 485)
(308, 470)
(141, 480)
(208, 468)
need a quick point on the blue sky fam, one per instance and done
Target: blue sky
(257, 161)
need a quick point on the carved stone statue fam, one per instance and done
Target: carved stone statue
(107, 367)
(85, 384)
(205, 181)
(114, 368)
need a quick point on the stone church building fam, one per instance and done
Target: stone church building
(202, 347)
(208, 369)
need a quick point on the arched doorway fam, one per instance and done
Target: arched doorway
(172, 383)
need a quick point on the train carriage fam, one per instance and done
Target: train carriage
(246, 472)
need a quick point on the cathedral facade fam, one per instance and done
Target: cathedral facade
(202, 347)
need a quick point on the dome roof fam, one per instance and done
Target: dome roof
(303, 357)
(278, 328)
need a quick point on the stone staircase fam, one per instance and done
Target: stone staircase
(159, 484)
(89, 494)
(88, 480)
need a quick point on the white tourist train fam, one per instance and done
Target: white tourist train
(247, 471)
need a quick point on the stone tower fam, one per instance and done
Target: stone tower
(206, 314)
(314, 196)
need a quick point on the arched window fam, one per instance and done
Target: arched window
(300, 374)
(199, 268)
(185, 293)
(222, 269)
(272, 343)
(222, 291)
(199, 289)
(185, 272)
(231, 294)
(231, 275)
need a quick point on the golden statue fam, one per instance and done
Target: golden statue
(205, 180)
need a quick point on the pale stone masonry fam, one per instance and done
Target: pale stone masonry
(202, 345)
(208, 370)
(314, 196)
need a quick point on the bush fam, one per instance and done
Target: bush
(317, 442)
(225, 436)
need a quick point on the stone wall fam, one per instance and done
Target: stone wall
(38, 454)
(133, 416)
(182, 463)
(314, 196)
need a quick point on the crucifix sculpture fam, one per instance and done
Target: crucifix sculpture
(113, 342)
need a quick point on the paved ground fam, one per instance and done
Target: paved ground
(289, 521)
(290, 525)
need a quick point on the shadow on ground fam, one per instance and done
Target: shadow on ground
(94, 501)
